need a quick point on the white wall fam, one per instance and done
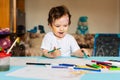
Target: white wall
(103, 15)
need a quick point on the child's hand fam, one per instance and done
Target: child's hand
(86, 51)
(56, 52)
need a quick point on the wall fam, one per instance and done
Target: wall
(103, 15)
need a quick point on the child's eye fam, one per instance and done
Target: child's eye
(57, 26)
(65, 25)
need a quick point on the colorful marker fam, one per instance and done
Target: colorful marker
(53, 50)
(92, 66)
(100, 62)
(111, 66)
(89, 69)
(85, 56)
(114, 60)
(115, 68)
(63, 67)
(68, 65)
(97, 66)
(29, 63)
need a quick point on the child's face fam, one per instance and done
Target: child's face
(60, 26)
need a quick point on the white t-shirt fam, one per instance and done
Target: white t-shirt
(67, 44)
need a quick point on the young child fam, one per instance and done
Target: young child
(58, 42)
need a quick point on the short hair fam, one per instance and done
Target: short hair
(58, 12)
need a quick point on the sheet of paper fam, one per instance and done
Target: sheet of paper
(21, 61)
(37, 72)
(79, 61)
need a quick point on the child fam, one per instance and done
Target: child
(61, 43)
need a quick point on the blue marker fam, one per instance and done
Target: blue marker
(68, 65)
(89, 69)
(59, 67)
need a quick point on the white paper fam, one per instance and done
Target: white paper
(38, 72)
(21, 61)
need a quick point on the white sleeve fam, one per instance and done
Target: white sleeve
(74, 45)
(45, 43)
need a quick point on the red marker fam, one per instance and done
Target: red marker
(100, 62)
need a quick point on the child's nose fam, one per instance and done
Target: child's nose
(61, 28)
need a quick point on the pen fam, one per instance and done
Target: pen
(38, 63)
(53, 50)
(89, 69)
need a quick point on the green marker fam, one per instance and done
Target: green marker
(53, 50)
(85, 56)
(115, 68)
(95, 65)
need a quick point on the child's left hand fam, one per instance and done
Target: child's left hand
(86, 51)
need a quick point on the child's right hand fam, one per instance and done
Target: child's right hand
(52, 54)
(56, 52)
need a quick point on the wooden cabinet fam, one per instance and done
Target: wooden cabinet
(4, 13)
(10, 11)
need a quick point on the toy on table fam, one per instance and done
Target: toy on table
(82, 25)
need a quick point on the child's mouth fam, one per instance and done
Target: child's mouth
(61, 32)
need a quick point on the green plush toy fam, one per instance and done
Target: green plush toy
(82, 25)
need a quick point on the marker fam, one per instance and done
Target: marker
(100, 62)
(115, 68)
(59, 67)
(114, 60)
(53, 50)
(85, 56)
(38, 63)
(89, 69)
(92, 66)
(110, 66)
(103, 66)
(68, 65)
